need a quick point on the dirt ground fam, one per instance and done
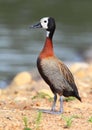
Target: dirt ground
(21, 102)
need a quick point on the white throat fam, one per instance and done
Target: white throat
(47, 33)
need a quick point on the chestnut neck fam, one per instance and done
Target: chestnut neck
(47, 50)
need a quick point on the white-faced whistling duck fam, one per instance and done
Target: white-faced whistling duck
(54, 72)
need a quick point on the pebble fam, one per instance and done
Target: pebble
(20, 99)
(22, 78)
(78, 66)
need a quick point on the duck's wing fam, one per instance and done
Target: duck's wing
(67, 74)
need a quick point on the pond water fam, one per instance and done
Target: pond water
(20, 46)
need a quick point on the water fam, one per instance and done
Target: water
(20, 46)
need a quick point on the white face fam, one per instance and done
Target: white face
(44, 22)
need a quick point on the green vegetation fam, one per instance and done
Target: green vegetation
(43, 95)
(38, 120)
(67, 99)
(69, 120)
(90, 119)
(26, 124)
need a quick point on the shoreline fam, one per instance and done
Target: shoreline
(22, 98)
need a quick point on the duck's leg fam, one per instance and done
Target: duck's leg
(52, 111)
(54, 103)
(61, 105)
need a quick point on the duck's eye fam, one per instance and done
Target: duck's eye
(45, 21)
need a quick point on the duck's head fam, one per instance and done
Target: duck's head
(47, 23)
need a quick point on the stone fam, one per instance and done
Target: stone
(78, 66)
(22, 78)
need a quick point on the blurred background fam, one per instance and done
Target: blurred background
(20, 46)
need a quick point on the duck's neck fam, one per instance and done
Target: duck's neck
(49, 34)
(47, 50)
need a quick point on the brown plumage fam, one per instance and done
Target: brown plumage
(55, 73)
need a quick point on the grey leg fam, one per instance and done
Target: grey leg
(52, 111)
(61, 104)
(54, 103)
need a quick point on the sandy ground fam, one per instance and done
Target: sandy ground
(25, 97)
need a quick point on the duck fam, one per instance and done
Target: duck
(53, 71)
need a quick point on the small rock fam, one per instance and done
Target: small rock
(81, 74)
(20, 99)
(22, 78)
(78, 66)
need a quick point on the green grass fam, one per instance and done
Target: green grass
(69, 120)
(26, 124)
(38, 120)
(67, 99)
(90, 119)
(43, 95)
